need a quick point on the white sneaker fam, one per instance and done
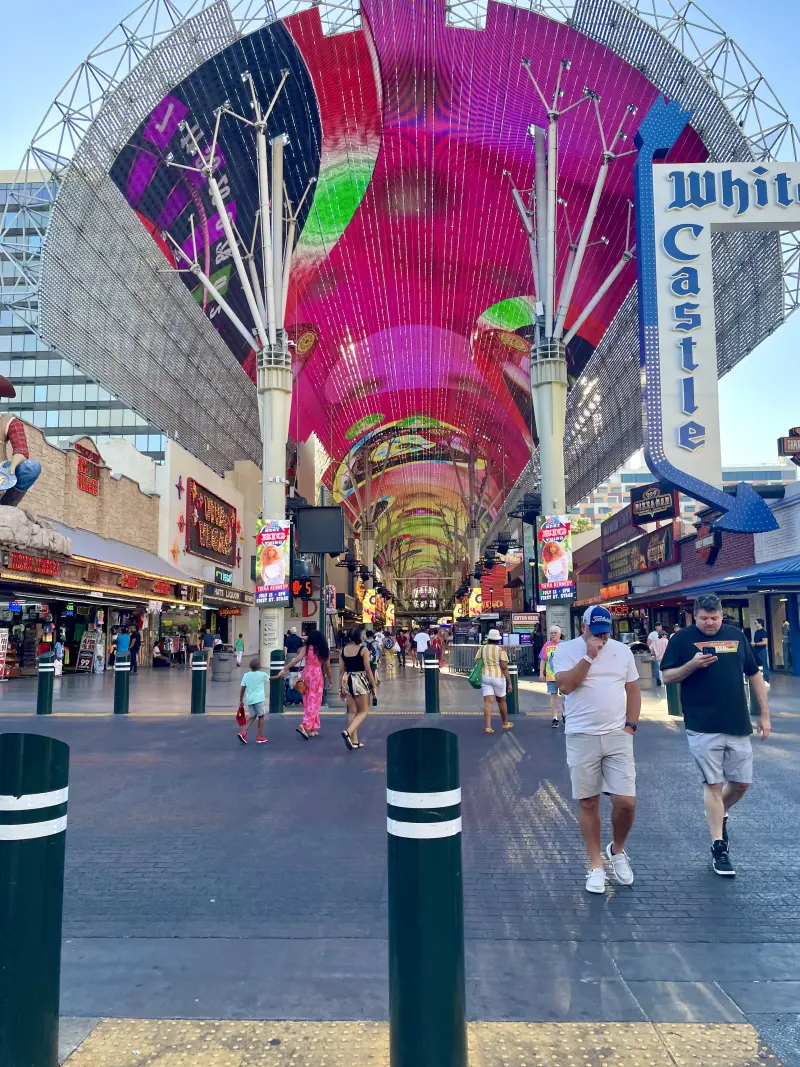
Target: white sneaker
(596, 880)
(621, 866)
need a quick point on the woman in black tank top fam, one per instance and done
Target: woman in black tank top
(356, 686)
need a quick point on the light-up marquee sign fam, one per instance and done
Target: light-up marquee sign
(678, 208)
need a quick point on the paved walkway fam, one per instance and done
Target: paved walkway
(169, 693)
(208, 881)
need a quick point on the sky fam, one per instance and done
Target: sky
(759, 399)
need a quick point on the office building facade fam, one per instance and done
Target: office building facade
(52, 393)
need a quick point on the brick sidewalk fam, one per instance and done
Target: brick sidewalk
(201, 884)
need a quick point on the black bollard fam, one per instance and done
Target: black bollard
(122, 682)
(199, 675)
(432, 671)
(277, 686)
(34, 773)
(674, 706)
(427, 998)
(512, 696)
(44, 693)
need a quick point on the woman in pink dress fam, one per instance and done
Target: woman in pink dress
(318, 659)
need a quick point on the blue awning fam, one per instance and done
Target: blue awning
(778, 574)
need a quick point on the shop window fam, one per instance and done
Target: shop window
(780, 651)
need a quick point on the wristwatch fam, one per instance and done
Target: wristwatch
(589, 660)
(632, 725)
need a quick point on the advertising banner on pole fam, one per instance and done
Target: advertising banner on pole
(475, 602)
(555, 574)
(369, 607)
(273, 562)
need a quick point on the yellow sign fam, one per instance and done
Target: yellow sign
(475, 602)
(368, 607)
(390, 615)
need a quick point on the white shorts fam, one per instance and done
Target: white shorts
(493, 686)
(722, 757)
(601, 763)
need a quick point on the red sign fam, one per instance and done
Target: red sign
(494, 597)
(19, 561)
(613, 592)
(707, 544)
(210, 525)
(162, 588)
(129, 581)
(89, 465)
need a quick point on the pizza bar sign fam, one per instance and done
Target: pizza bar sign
(651, 503)
(89, 465)
(210, 525)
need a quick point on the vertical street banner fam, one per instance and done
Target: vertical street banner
(555, 570)
(529, 563)
(273, 562)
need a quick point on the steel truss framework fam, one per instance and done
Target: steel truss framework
(176, 370)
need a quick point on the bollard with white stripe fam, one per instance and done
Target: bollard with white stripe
(122, 682)
(277, 686)
(34, 772)
(513, 692)
(199, 675)
(430, 662)
(44, 693)
(427, 1001)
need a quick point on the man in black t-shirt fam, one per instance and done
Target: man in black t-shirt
(710, 659)
(760, 647)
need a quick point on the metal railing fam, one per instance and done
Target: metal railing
(462, 658)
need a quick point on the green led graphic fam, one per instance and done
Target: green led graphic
(361, 427)
(510, 314)
(338, 192)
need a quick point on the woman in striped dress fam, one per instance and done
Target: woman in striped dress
(495, 679)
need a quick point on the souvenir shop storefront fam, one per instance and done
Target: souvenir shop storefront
(83, 601)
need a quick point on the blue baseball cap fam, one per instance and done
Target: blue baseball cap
(598, 620)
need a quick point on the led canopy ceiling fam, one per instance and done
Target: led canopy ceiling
(410, 303)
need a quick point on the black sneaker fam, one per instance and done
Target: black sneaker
(720, 860)
(554, 723)
(725, 830)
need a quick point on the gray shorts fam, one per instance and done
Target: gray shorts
(601, 763)
(722, 757)
(256, 710)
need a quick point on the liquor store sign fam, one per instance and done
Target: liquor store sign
(654, 550)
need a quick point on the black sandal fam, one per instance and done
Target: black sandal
(303, 733)
(347, 740)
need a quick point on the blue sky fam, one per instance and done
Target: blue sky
(759, 399)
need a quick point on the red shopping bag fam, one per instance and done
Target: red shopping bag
(241, 716)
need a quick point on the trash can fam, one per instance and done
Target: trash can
(222, 666)
(644, 665)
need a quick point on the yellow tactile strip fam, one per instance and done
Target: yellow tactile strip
(186, 1043)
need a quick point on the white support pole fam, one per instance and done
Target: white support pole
(524, 214)
(266, 231)
(251, 267)
(552, 176)
(540, 188)
(277, 223)
(568, 287)
(287, 264)
(225, 221)
(214, 293)
(627, 256)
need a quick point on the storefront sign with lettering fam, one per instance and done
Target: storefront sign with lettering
(210, 525)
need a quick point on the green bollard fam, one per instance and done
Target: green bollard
(34, 774)
(513, 692)
(427, 997)
(432, 672)
(122, 682)
(674, 699)
(44, 693)
(199, 675)
(277, 686)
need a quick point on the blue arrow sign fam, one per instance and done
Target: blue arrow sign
(744, 511)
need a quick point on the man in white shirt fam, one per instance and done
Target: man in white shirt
(602, 706)
(657, 642)
(423, 643)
